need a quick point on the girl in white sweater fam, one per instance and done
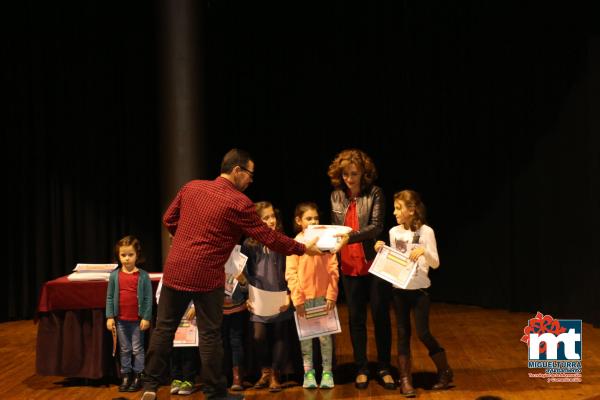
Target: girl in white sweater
(414, 237)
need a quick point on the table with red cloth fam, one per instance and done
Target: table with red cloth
(72, 339)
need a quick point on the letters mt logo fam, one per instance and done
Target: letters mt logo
(553, 339)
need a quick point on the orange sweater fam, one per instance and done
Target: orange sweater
(312, 276)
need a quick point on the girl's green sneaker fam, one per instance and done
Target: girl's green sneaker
(327, 380)
(309, 380)
(175, 386)
(186, 388)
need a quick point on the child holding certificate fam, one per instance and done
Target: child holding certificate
(313, 281)
(265, 269)
(414, 237)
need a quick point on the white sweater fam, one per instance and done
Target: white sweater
(400, 239)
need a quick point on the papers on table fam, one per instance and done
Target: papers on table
(266, 303)
(95, 267)
(318, 322)
(233, 267)
(394, 266)
(92, 272)
(326, 234)
(186, 334)
(88, 276)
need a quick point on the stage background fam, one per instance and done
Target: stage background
(489, 110)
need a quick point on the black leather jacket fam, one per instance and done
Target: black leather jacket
(370, 207)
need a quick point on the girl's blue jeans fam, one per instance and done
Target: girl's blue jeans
(131, 343)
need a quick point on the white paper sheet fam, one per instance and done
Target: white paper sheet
(394, 267)
(186, 334)
(318, 322)
(264, 302)
(88, 276)
(233, 267)
(92, 268)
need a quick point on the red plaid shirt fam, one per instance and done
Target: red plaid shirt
(207, 219)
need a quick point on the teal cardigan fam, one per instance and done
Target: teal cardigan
(144, 295)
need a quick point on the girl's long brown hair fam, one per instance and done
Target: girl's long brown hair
(260, 206)
(300, 210)
(412, 201)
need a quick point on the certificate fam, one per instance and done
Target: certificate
(394, 267)
(233, 267)
(186, 334)
(318, 322)
(264, 302)
(326, 234)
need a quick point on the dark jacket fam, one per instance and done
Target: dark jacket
(370, 207)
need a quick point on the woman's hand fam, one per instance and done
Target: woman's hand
(416, 253)
(249, 305)
(344, 237)
(300, 310)
(144, 324)
(110, 324)
(378, 245)
(330, 305)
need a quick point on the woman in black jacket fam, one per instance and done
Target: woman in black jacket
(359, 204)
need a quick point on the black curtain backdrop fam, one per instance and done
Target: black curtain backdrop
(488, 109)
(81, 124)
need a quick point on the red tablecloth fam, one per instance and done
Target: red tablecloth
(63, 294)
(72, 338)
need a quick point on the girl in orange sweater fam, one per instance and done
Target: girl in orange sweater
(313, 281)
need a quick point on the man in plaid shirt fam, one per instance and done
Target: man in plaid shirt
(207, 219)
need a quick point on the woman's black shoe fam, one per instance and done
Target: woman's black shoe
(361, 381)
(387, 380)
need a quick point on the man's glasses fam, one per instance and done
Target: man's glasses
(251, 173)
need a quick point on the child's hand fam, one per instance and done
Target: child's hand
(144, 324)
(300, 310)
(110, 324)
(249, 305)
(416, 253)
(378, 245)
(241, 278)
(330, 305)
(286, 305)
(190, 314)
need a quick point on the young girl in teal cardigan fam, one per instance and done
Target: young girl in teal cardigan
(129, 310)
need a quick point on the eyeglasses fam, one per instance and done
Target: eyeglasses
(251, 173)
